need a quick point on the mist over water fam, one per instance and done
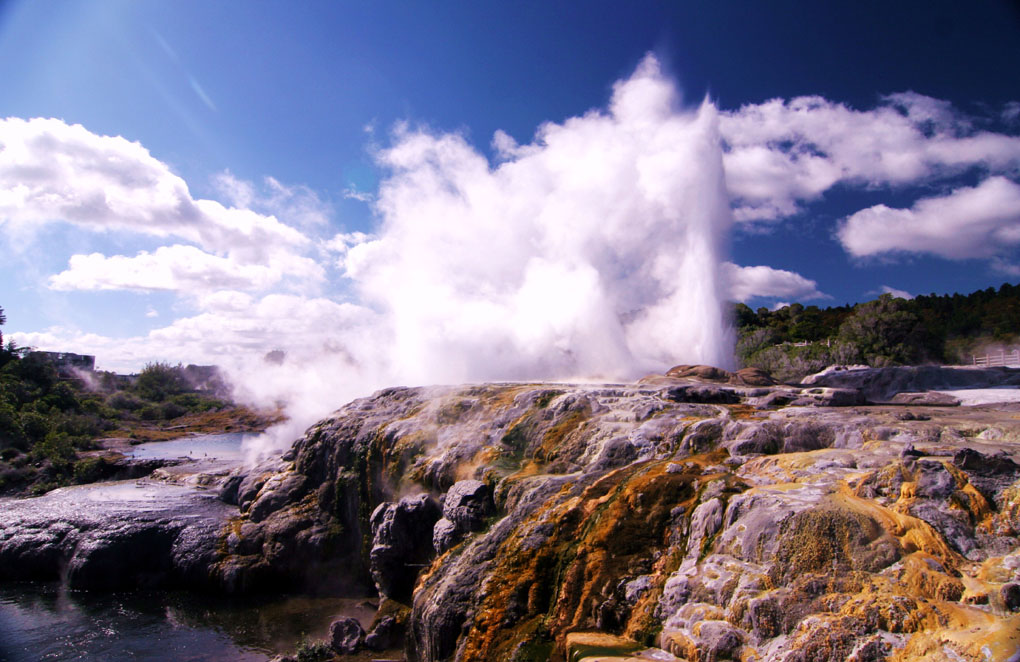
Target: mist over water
(592, 252)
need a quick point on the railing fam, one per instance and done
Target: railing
(1003, 358)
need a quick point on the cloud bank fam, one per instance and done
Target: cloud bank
(781, 154)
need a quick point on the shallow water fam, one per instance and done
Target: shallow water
(225, 446)
(43, 622)
(47, 622)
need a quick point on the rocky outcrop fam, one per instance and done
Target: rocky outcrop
(113, 536)
(684, 517)
(882, 384)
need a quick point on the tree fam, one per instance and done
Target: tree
(158, 381)
(882, 331)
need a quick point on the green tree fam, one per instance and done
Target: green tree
(882, 331)
(158, 381)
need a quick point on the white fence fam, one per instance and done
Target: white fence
(1003, 358)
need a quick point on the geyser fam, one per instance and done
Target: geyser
(594, 251)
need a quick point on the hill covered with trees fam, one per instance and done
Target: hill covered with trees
(796, 340)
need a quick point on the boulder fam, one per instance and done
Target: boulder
(345, 635)
(384, 635)
(466, 507)
(704, 394)
(699, 372)
(753, 377)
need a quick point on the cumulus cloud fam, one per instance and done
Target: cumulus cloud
(184, 268)
(982, 221)
(745, 283)
(53, 171)
(780, 154)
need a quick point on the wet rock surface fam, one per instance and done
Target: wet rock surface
(113, 536)
(699, 516)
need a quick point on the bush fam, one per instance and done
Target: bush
(124, 401)
(150, 412)
(90, 470)
(317, 651)
(169, 410)
(57, 448)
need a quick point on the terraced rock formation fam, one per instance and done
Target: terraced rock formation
(693, 518)
(702, 516)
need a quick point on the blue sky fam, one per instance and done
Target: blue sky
(268, 162)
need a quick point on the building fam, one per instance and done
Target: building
(68, 362)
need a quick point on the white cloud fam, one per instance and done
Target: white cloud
(53, 171)
(899, 294)
(352, 193)
(781, 154)
(183, 268)
(971, 222)
(746, 283)
(295, 205)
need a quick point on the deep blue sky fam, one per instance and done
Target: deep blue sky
(303, 92)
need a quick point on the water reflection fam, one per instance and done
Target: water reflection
(225, 446)
(46, 622)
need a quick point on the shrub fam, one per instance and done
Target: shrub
(150, 412)
(90, 469)
(314, 651)
(124, 401)
(170, 410)
(57, 448)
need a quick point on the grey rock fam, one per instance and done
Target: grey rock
(401, 543)
(346, 635)
(926, 398)
(467, 504)
(229, 490)
(935, 481)
(1010, 594)
(384, 635)
(703, 393)
(444, 535)
(829, 397)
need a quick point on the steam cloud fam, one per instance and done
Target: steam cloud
(593, 252)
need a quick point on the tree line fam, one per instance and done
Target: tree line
(795, 340)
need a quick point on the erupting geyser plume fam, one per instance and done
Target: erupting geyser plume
(592, 252)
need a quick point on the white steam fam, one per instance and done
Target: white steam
(593, 252)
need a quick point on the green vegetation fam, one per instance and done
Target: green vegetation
(796, 340)
(50, 414)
